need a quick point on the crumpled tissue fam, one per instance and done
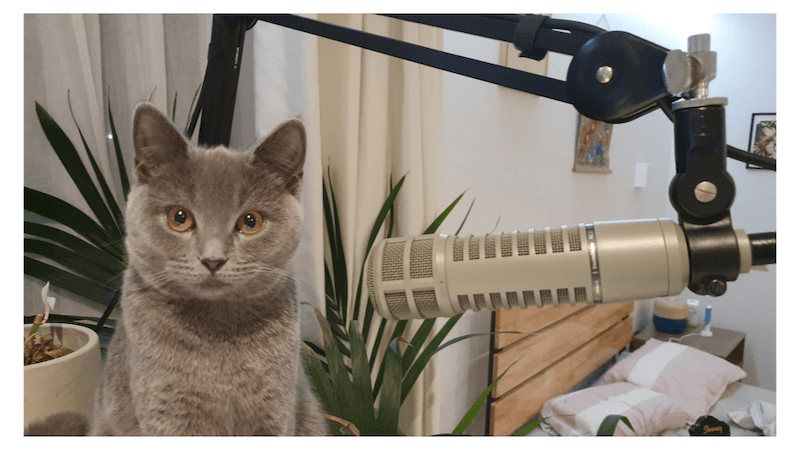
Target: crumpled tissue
(759, 414)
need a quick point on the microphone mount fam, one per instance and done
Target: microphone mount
(702, 191)
(614, 77)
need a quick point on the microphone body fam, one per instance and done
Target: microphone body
(602, 262)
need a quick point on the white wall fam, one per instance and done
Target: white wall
(514, 151)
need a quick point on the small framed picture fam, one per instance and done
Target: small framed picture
(763, 131)
(592, 146)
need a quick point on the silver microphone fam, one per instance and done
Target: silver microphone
(602, 262)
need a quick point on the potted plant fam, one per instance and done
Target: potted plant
(62, 367)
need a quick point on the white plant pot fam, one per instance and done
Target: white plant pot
(67, 383)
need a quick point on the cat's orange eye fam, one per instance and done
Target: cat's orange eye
(250, 222)
(180, 219)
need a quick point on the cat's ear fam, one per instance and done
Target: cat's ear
(157, 143)
(284, 152)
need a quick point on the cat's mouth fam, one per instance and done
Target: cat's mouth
(213, 281)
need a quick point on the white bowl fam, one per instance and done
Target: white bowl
(67, 383)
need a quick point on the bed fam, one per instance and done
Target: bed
(571, 366)
(748, 411)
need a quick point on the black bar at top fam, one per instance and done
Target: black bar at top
(502, 27)
(485, 26)
(479, 70)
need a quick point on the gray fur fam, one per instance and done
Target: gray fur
(61, 424)
(202, 353)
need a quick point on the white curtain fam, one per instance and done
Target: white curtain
(125, 58)
(381, 117)
(368, 117)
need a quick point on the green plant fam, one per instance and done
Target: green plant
(89, 264)
(93, 260)
(341, 372)
(609, 424)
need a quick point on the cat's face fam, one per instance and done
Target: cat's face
(212, 223)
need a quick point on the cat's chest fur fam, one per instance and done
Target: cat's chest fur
(210, 369)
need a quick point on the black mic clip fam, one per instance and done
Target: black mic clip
(702, 192)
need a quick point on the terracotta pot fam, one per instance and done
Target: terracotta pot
(67, 383)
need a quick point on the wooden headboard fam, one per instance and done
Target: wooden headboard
(559, 346)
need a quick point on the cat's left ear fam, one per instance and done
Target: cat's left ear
(284, 152)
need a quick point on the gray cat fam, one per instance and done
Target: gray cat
(209, 342)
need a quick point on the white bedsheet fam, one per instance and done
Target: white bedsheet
(736, 397)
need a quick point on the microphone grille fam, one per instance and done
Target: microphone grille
(392, 263)
(397, 304)
(422, 258)
(371, 279)
(426, 302)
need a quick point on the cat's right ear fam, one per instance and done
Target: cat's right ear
(157, 143)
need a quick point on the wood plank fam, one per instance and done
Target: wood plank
(513, 410)
(528, 321)
(537, 352)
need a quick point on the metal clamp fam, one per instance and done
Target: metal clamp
(687, 75)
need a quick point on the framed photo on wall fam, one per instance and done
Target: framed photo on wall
(592, 146)
(763, 131)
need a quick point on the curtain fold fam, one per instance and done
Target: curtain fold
(380, 119)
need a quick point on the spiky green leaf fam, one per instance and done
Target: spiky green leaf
(524, 431)
(337, 368)
(415, 346)
(416, 369)
(338, 269)
(458, 231)
(76, 262)
(362, 381)
(476, 407)
(438, 221)
(399, 327)
(72, 162)
(77, 244)
(62, 212)
(84, 287)
(321, 383)
(191, 108)
(390, 400)
(101, 179)
(609, 424)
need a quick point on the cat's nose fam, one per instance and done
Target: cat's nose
(213, 264)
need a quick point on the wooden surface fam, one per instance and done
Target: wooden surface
(726, 344)
(528, 321)
(536, 352)
(518, 406)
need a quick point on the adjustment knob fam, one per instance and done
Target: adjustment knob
(678, 72)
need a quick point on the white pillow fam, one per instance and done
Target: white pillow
(693, 378)
(580, 413)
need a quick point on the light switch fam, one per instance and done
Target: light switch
(640, 178)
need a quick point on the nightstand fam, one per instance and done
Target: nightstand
(727, 344)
